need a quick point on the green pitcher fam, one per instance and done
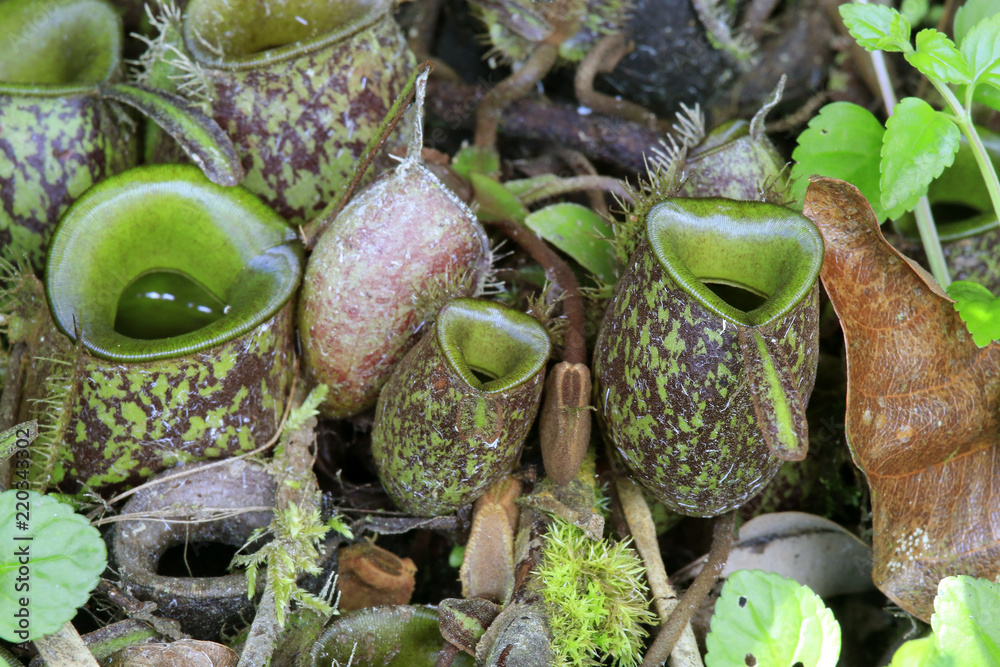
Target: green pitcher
(708, 349)
(300, 86)
(62, 126)
(452, 418)
(177, 292)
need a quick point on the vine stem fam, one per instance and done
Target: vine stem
(722, 540)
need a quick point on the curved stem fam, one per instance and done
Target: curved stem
(513, 87)
(575, 348)
(722, 540)
(575, 184)
(602, 58)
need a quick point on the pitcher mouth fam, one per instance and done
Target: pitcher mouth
(227, 38)
(58, 47)
(763, 249)
(168, 219)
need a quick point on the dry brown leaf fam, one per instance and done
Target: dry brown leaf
(923, 406)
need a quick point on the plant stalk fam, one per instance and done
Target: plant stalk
(722, 540)
(922, 212)
(65, 648)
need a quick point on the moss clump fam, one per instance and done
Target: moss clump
(596, 598)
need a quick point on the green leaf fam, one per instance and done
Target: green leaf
(971, 13)
(920, 653)
(843, 141)
(981, 48)
(772, 619)
(581, 234)
(966, 620)
(978, 308)
(495, 201)
(919, 143)
(877, 27)
(65, 558)
(937, 58)
(474, 160)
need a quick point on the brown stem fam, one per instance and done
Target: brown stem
(515, 86)
(799, 117)
(579, 163)
(603, 58)
(606, 139)
(640, 524)
(722, 540)
(575, 348)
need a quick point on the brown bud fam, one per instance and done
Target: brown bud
(565, 423)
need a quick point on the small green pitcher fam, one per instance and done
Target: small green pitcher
(707, 353)
(300, 86)
(452, 418)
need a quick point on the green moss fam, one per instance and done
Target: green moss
(596, 598)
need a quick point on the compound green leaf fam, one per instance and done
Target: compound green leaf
(51, 560)
(919, 143)
(877, 27)
(580, 233)
(843, 141)
(966, 620)
(978, 308)
(937, 58)
(763, 618)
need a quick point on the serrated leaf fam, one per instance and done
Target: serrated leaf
(495, 202)
(66, 556)
(978, 308)
(966, 620)
(937, 58)
(971, 13)
(921, 652)
(981, 48)
(919, 143)
(843, 141)
(581, 234)
(772, 619)
(877, 27)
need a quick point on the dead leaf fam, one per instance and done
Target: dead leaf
(922, 407)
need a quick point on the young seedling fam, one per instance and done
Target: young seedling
(919, 142)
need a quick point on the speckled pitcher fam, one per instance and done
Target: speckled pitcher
(707, 353)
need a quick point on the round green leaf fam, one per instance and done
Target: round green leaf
(763, 618)
(966, 620)
(844, 141)
(64, 558)
(580, 233)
